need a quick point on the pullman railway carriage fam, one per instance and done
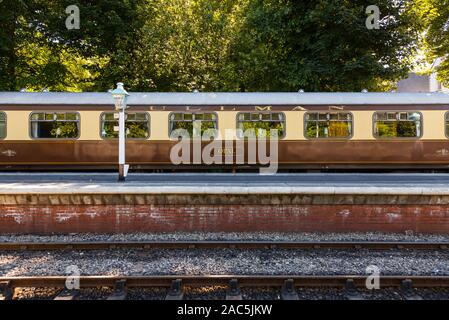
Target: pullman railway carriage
(315, 130)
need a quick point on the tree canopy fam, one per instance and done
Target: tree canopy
(434, 18)
(227, 45)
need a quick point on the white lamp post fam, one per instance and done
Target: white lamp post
(120, 98)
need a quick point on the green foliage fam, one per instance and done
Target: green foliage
(64, 130)
(112, 30)
(11, 12)
(43, 67)
(391, 129)
(261, 128)
(55, 129)
(195, 129)
(321, 46)
(434, 17)
(185, 44)
(227, 45)
(328, 129)
(136, 130)
(37, 51)
(133, 130)
(31, 59)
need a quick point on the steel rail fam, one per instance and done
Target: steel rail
(224, 280)
(43, 246)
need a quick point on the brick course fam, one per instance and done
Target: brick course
(49, 217)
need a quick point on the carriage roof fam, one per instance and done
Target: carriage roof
(224, 98)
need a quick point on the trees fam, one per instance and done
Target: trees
(108, 37)
(274, 45)
(37, 50)
(434, 18)
(322, 45)
(13, 32)
(185, 44)
(32, 59)
(228, 45)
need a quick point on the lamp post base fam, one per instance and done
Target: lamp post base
(121, 173)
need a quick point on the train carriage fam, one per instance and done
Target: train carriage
(314, 130)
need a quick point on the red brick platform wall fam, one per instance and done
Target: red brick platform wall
(125, 218)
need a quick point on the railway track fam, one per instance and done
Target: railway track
(176, 283)
(30, 246)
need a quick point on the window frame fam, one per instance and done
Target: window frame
(397, 138)
(328, 112)
(260, 112)
(192, 113)
(6, 125)
(141, 139)
(30, 121)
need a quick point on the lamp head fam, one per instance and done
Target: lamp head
(120, 96)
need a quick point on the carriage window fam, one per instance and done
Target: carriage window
(195, 124)
(397, 124)
(258, 124)
(328, 125)
(137, 125)
(2, 125)
(55, 125)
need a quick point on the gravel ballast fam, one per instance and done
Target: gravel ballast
(224, 261)
(256, 236)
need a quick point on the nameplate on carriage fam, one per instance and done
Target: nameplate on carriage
(265, 108)
(225, 151)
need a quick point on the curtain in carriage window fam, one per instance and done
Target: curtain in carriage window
(2, 125)
(447, 124)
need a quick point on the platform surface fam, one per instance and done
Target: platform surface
(183, 183)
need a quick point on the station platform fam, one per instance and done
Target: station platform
(184, 183)
(47, 203)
